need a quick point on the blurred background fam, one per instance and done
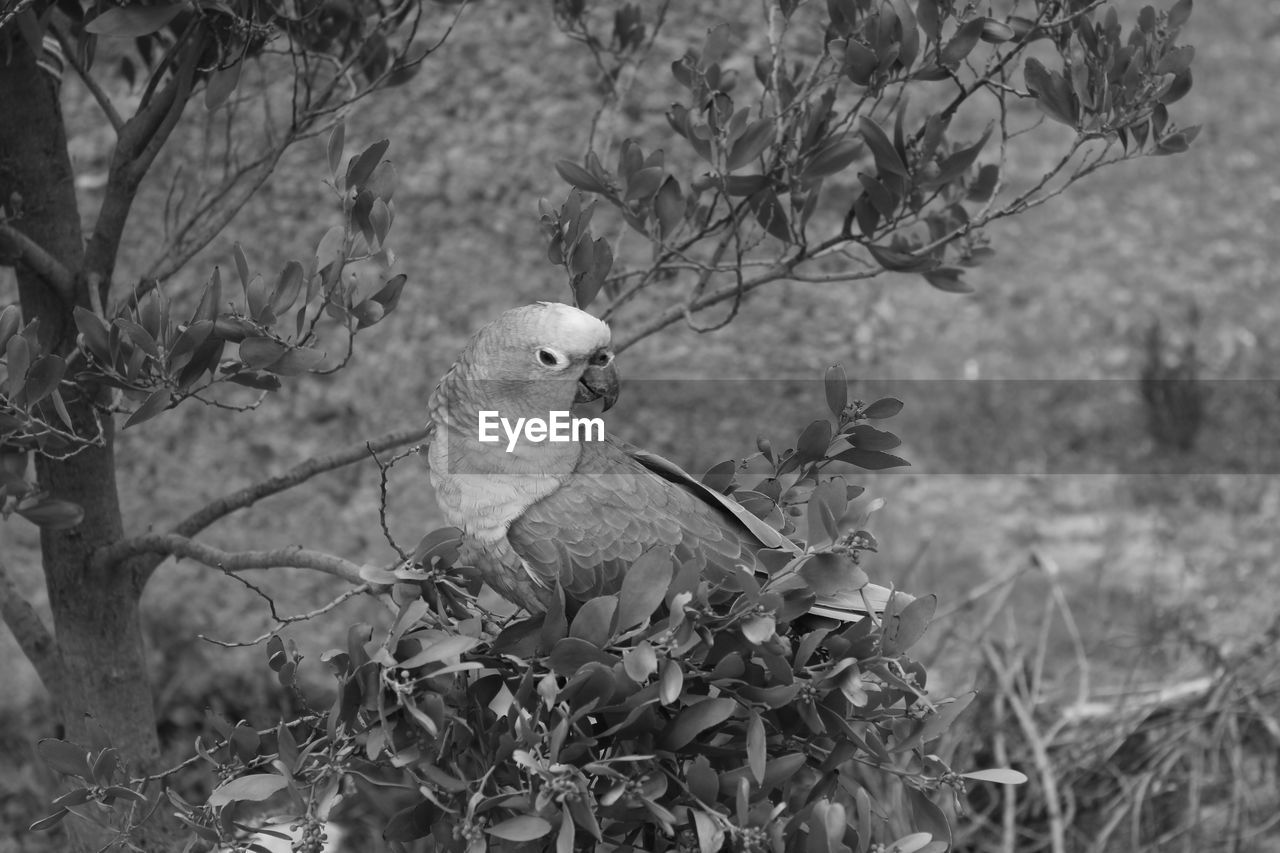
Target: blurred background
(1042, 481)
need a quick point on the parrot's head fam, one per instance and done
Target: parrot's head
(545, 356)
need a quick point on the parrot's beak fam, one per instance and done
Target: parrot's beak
(598, 383)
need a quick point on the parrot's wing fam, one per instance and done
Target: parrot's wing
(622, 502)
(842, 606)
(614, 508)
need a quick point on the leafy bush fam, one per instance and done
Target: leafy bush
(686, 712)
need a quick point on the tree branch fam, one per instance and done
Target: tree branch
(90, 83)
(33, 636)
(16, 247)
(137, 144)
(173, 545)
(296, 475)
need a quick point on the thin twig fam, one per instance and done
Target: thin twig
(384, 469)
(281, 621)
(248, 496)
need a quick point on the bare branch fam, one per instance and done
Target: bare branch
(33, 636)
(90, 82)
(295, 476)
(281, 621)
(173, 545)
(16, 247)
(138, 142)
(675, 313)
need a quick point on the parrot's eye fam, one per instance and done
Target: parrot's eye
(549, 358)
(602, 358)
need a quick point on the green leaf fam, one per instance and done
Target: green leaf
(640, 662)
(333, 150)
(832, 157)
(260, 353)
(644, 183)
(157, 401)
(576, 176)
(928, 14)
(255, 787)
(436, 649)
(869, 438)
(860, 63)
(759, 629)
(928, 816)
(999, 775)
(288, 288)
(757, 753)
(297, 361)
(1179, 13)
(564, 838)
(909, 46)
(882, 198)
(644, 586)
(829, 574)
(885, 407)
(813, 441)
(958, 163)
(570, 654)
(133, 21)
(948, 280)
(962, 43)
(997, 32)
(886, 156)
(18, 360)
(71, 798)
(43, 377)
(902, 629)
(522, 828)
(836, 387)
(1051, 92)
(695, 719)
(983, 186)
(896, 260)
(670, 681)
(104, 767)
(11, 321)
(754, 140)
(412, 823)
(63, 757)
(913, 843)
(770, 214)
(362, 165)
(594, 620)
(744, 185)
(710, 833)
(140, 337)
(222, 83)
(49, 821)
(668, 207)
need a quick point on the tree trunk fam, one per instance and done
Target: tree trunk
(95, 617)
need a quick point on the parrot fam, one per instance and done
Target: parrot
(574, 513)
